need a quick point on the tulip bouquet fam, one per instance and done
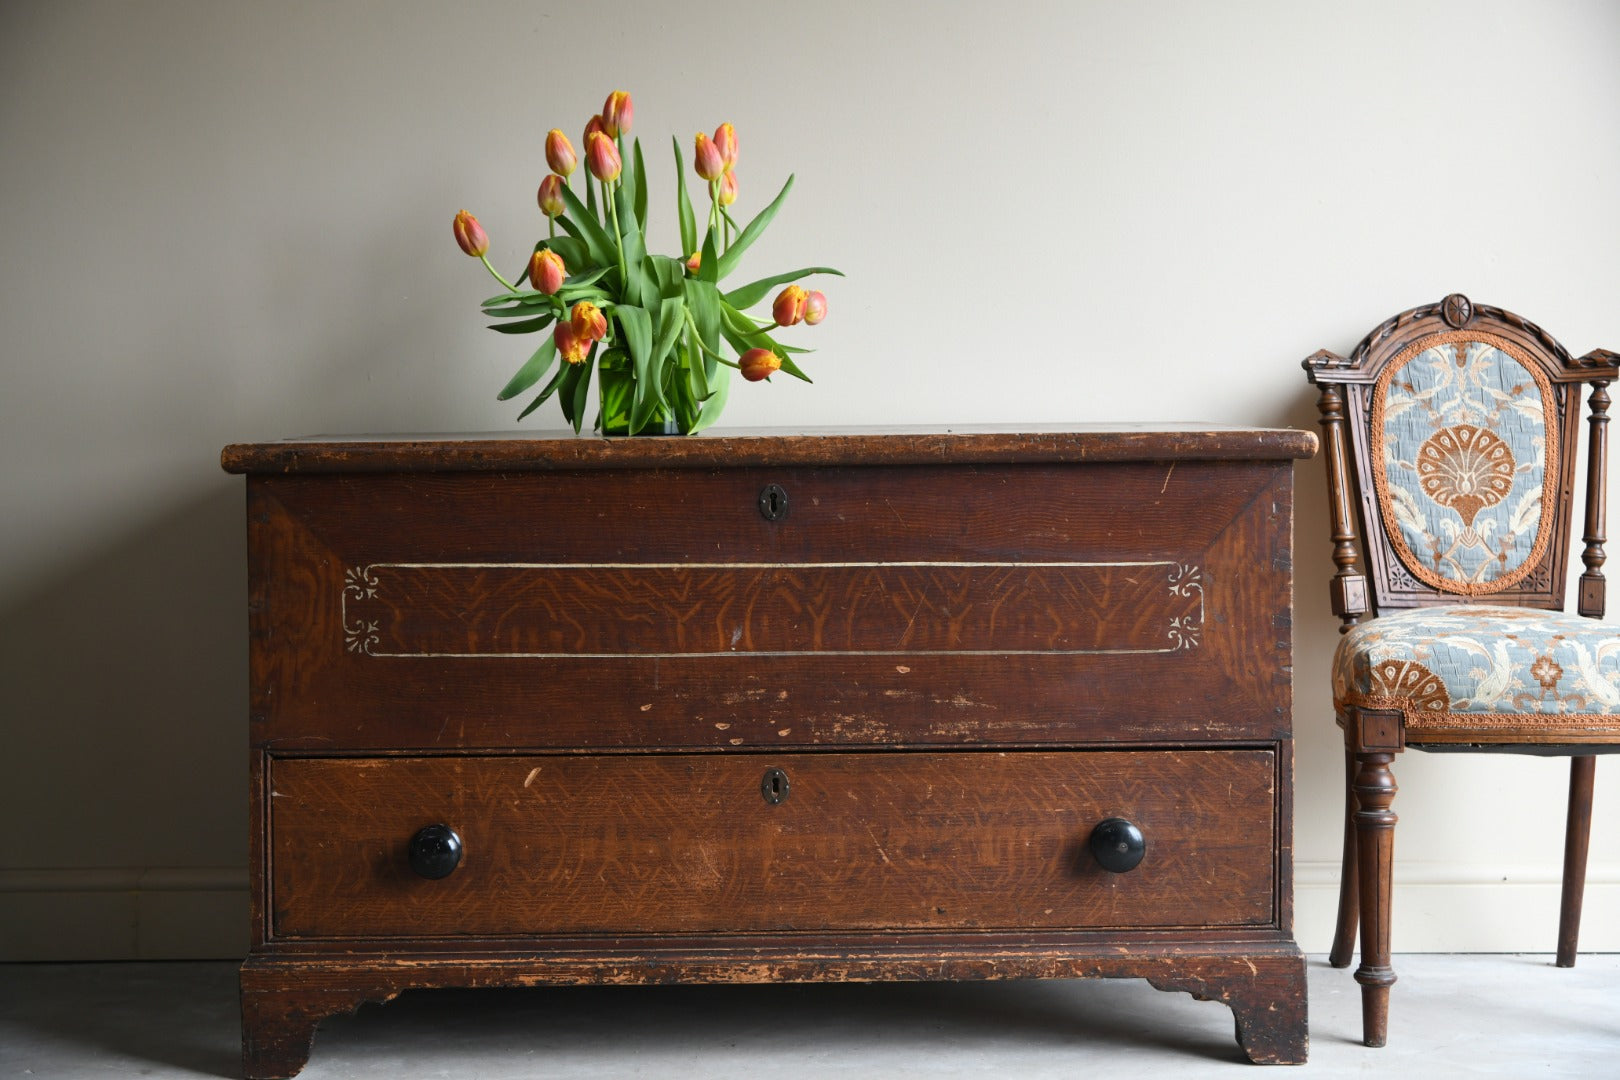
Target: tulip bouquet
(653, 327)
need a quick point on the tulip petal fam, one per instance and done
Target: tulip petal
(532, 371)
(751, 231)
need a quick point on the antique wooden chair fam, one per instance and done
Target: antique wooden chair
(1451, 434)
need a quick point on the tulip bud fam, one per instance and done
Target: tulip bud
(560, 153)
(757, 364)
(551, 200)
(570, 345)
(547, 271)
(617, 114)
(706, 158)
(695, 262)
(588, 321)
(815, 307)
(725, 140)
(788, 308)
(602, 157)
(470, 235)
(592, 126)
(726, 193)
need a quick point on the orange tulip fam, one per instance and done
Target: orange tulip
(560, 153)
(725, 140)
(706, 158)
(788, 309)
(726, 193)
(570, 345)
(617, 114)
(588, 321)
(815, 307)
(593, 126)
(470, 235)
(551, 200)
(695, 262)
(602, 157)
(547, 271)
(757, 364)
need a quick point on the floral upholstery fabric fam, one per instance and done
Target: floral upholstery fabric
(1479, 667)
(1464, 463)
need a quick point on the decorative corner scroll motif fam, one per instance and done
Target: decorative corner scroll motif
(359, 582)
(1187, 581)
(359, 635)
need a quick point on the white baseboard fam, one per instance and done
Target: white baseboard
(193, 913)
(1466, 907)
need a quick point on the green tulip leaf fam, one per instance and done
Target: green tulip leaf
(671, 321)
(640, 191)
(752, 293)
(683, 204)
(638, 339)
(638, 286)
(791, 368)
(522, 310)
(715, 401)
(576, 383)
(550, 388)
(526, 296)
(581, 223)
(531, 372)
(752, 230)
(709, 265)
(575, 255)
(704, 301)
(527, 326)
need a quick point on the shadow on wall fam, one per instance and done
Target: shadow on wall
(125, 701)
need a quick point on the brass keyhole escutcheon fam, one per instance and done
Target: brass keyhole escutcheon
(773, 503)
(775, 787)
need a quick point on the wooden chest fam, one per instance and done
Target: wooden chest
(752, 708)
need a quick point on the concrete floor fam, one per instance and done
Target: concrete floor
(1497, 1015)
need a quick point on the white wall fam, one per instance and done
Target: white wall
(228, 221)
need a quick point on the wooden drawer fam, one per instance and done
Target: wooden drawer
(925, 606)
(689, 843)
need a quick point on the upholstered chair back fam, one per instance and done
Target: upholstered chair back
(1462, 426)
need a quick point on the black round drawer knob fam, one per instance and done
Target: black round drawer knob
(1117, 845)
(435, 851)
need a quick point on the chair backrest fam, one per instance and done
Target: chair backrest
(1452, 431)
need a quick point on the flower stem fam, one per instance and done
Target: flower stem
(618, 241)
(496, 273)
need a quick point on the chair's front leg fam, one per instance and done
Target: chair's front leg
(1375, 849)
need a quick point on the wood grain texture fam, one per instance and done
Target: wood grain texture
(1221, 532)
(961, 445)
(562, 610)
(679, 843)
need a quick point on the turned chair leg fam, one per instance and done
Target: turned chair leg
(1576, 833)
(1344, 937)
(1375, 844)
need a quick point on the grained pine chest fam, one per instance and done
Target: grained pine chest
(751, 708)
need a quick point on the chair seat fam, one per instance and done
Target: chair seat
(1485, 673)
